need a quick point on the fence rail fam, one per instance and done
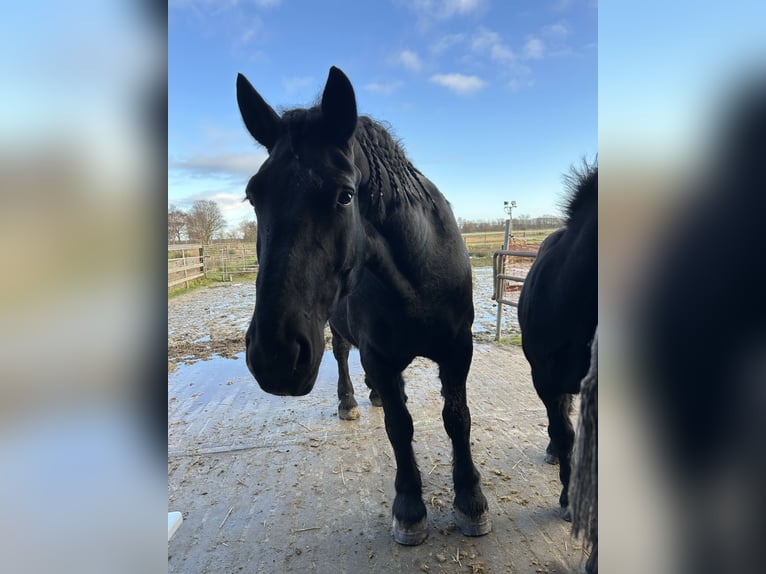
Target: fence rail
(219, 261)
(230, 259)
(187, 266)
(509, 269)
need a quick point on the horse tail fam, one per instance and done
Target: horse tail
(583, 490)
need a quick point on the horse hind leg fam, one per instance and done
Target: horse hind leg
(347, 406)
(374, 395)
(562, 435)
(551, 456)
(470, 505)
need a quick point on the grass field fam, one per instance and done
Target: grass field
(482, 244)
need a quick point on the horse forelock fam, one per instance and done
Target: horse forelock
(300, 123)
(582, 188)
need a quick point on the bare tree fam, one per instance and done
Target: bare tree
(176, 224)
(205, 221)
(231, 235)
(249, 231)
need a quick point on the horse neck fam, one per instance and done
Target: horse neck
(408, 222)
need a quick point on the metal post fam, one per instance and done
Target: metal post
(508, 207)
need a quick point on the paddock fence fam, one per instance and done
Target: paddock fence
(186, 263)
(215, 261)
(225, 260)
(509, 269)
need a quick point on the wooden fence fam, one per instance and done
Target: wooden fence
(216, 261)
(185, 263)
(224, 260)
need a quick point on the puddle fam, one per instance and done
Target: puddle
(213, 375)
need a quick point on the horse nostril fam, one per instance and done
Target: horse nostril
(304, 353)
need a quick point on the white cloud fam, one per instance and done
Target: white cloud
(459, 83)
(561, 5)
(450, 7)
(385, 89)
(489, 42)
(557, 30)
(520, 83)
(534, 48)
(410, 60)
(430, 11)
(223, 164)
(246, 36)
(297, 83)
(446, 42)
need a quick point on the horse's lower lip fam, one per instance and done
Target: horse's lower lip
(283, 389)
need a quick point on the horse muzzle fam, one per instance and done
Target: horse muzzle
(283, 367)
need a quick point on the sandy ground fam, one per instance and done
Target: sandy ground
(280, 484)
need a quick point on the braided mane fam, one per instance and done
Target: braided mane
(393, 179)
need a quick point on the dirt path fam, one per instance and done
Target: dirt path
(271, 484)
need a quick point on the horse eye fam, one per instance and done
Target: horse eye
(345, 197)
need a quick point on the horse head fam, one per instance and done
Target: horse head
(304, 197)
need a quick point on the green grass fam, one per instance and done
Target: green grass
(213, 278)
(193, 284)
(481, 261)
(513, 340)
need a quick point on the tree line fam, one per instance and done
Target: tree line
(204, 223)
(520, 223)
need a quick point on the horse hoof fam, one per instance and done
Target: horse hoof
(551, 458)
(478, 526)
(412, 535)
(566, 514)
(351, 414)
(376, 401)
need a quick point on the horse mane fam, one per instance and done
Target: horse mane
(392, 178)
(581, 184)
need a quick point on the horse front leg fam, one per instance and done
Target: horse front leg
(409, 512)
(470, 505)
(347, 405)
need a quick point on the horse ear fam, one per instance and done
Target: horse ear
(260, 119)
(339, 107)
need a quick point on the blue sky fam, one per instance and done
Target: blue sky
(493, 100)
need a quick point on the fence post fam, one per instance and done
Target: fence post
(501, 286)
(183, 262)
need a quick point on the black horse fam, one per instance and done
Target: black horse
(349, 231)
(558, 316)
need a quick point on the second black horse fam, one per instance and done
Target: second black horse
(558, 314)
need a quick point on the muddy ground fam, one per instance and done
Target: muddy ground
(213, 320)
(280, 484)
